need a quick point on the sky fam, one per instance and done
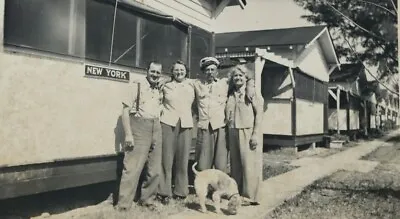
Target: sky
(261, 14)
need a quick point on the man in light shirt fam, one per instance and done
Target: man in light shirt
(141, 121)
(211, 97)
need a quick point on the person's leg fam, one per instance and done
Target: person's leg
(168, 152)
(153, 166)
(236, 163)
(182, 161)
(221, 149)
(252, 165)
(204, 149)
(133, 164)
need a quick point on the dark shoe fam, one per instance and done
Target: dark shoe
(179, 198)
(148, 205)
(254, 203)
(163, 199)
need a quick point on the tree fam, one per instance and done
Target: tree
(363, 30)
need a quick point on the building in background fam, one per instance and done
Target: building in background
(292, 68)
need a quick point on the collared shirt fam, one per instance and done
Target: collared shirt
(239, 110)
(178, 100)
(211, 100)
(150, 101)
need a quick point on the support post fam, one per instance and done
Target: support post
(366, 119)
(258, 69)
(338, 109)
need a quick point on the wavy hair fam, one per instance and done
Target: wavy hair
(180, 62)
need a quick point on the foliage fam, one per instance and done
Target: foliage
(370, 28)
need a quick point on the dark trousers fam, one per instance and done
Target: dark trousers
(176, 146)
(145, 156)
(211, 149)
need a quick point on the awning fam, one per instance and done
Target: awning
(149, 11)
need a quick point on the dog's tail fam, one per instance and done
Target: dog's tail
(194, 168)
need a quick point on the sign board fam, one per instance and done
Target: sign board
(107, 73)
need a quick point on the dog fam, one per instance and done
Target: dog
(221, 185)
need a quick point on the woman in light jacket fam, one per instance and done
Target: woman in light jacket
(245, 135)
(176, 124)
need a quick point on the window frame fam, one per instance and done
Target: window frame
(72, 37)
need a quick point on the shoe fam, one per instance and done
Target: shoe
(148, 205)
(254, 203)
(179, 198)
(164, 200)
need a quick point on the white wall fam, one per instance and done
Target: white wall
(373, 121)
(354, 119)
(309, 117)
(49, 110)
(314, 63)
(278, 118)
(197, 12)
(332, 119)
(262, 14)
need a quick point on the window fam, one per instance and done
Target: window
(96, 30)
(309, 88)
(163, 42)
(200, 47)
(44, 25)
(99, 25)
(125, 44)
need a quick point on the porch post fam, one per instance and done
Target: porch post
(338, 109)
(366, 119)
(258, 69)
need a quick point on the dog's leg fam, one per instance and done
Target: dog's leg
(201, 192)
(217, 201)
(202, 202)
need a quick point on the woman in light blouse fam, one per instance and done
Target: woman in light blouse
(244, 117)
(176, 124)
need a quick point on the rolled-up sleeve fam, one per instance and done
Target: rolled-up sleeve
(129, 96)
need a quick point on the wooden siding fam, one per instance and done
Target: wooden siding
(309, 117)
(196, 12)
(354, 119)
(278, 118)
(333, 119)
(52, 111)
(32, 179)
(309, 88)
(314, 63)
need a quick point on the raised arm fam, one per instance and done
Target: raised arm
(250, 89)
(195, 109)
(258, 107)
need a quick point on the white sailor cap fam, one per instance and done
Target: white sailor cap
(206, 61)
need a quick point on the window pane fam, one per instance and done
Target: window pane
(124, 47)
(200, 48)
(162, 42)
(99, 23)
(39, 24)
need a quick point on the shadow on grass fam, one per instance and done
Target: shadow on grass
(394, 139)
(55, 202)
(210, 208)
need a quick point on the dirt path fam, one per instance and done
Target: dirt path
(350, 194)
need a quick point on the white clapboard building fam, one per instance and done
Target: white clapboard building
(65, 65)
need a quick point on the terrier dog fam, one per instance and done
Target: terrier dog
(221, 185)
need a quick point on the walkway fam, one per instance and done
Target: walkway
(286, 186)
